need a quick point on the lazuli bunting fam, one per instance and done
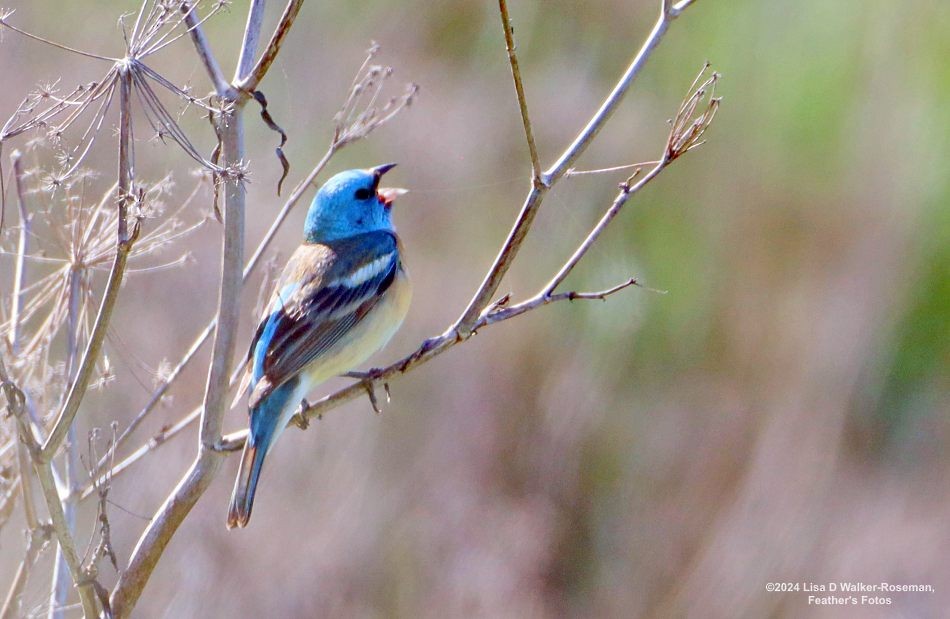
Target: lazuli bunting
(342, 295)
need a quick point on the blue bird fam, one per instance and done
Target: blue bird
(341, 297)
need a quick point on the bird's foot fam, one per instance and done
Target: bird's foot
(300, 417)
(368, 380)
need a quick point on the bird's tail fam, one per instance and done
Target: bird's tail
(268, 420)
(242, 498)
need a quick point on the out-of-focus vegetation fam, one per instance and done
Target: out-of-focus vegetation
(779, 415)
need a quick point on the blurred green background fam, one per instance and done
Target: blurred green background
(779, 415)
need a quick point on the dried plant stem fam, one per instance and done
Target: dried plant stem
(519, 89)
(23, 249)
(123, 246)
(62, 583)
(117, 468)
(67, 545)
(249, 79)
(42, 456)
(465, 324)
(204, 50)
(38, 536)
(16, 406)
(11, 605)
(26, 488)
(178, 505)
(172, 513)
(626, 191)
(252, 34)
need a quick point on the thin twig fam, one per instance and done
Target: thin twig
(248, 79)
(626, 191)
(617, 168)
(427, 351)
(123, 245)
(16, 406)
(519, 89)
(489, 286)
(4, 22)
(38, 539)
(44, 473)
(252, 34)
(62, 583)
(159, 439)
(675, 10)
(204, 50)
(23, 245)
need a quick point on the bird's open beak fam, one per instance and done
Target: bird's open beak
(388, 194)
(379, 170)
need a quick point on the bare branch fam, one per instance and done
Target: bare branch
(116, 468)
(62, 583)
(124, 242)
(675, 10)
(247, 79)
(16, 406)
(628, 166)
(519, 89)
(204, 50)
(44, 473)
(252, 34)
(162, 527)
(626, 191)
(607, 108)
(19, 275)
(427, 351)
(489, 286)
(38, 539)
(3, 22)
(29, 505)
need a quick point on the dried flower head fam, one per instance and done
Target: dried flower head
(688, 126)
(362, 113)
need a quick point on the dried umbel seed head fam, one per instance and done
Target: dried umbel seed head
(362, 113)
(694, 115)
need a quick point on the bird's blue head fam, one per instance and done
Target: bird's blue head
(352, 202)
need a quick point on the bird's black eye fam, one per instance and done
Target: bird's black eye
(362, 193)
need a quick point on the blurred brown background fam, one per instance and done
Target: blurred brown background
(779, 415)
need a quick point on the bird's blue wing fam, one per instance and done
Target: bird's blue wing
(323, 306)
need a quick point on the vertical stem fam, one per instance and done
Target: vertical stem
(62, 582)
(607, 108)
(44, 471)
(232, 277)
(23, 247)
(519, 90)
(11, 605)
(204, 50)
(522, 225)
(252, 35)
(123, 246)
(179, 503)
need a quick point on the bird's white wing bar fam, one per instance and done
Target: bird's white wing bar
(365, 272)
